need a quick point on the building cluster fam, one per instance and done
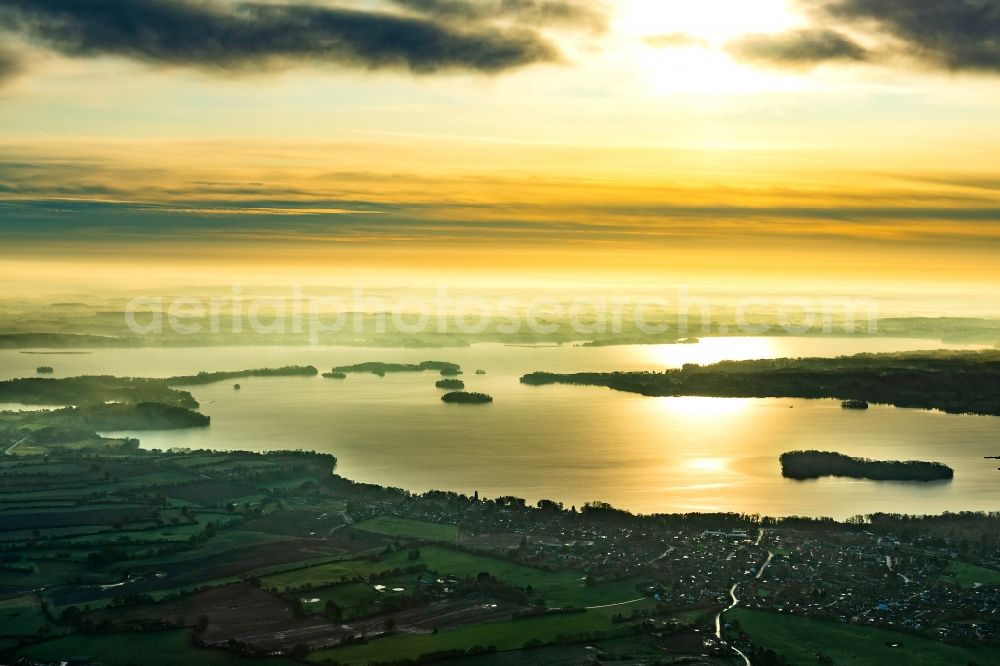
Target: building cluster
(825, 571)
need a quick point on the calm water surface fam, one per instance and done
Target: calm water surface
(567, 443)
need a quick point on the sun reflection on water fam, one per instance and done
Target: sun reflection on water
(711, 350)
(695, 407)
(705, 457)
(708, 464)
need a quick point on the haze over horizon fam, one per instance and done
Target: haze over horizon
(849, 142)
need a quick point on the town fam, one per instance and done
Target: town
(273, 557)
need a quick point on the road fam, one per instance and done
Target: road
(770, 556)
(620, 603)
(662, 555)
(889, 563)
(10, 449)
(734, 601)
(732, 604)
(718, 622)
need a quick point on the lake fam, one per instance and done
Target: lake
(567, 443)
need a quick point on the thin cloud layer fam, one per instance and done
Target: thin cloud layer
(675, 40)
(229, 36)
(796, 49)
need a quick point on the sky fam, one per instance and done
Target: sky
(618, 142)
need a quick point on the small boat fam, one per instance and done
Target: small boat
(854, 404)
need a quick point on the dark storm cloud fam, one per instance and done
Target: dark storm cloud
(798, 48)
(950, 34)
(589, 14)
(246, 35)
(10, 64)
(675, 40)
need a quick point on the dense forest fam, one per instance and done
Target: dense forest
(211, 377)
(817, 464)
(382, 369)
(107, 389)
(953, 382)
(93, 389)
(450, 384)
(461, 397)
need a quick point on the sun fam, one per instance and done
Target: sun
(700, 65)
(714, 21)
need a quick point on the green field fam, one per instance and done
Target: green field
(331, 573)
(44, 572)
(631, 649)
(358, 600)
(355, 599)
(800, 639)
(49, 469)
(412, 529)
(162, 648)
(21, 617)
(559, 588)
(225, 541)
(968, 575)
(505, 635)
(180, 533)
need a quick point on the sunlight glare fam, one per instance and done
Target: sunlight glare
(715, 21)
(711, 350)
(708, 464)
(692, 407)
(702, 67)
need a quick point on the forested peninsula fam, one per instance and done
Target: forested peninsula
(953, 382)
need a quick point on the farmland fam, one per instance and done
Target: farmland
(800, 639)
(222, 558)
(334, 572)
(160, 648)
(232, 551)
(21, 616)
(502, 635)
(410, 528)
(557, 588)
